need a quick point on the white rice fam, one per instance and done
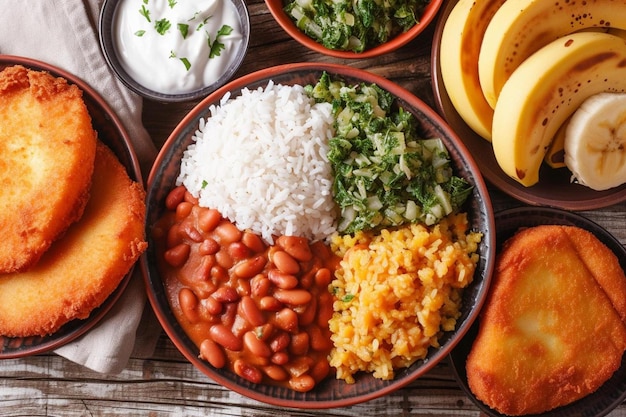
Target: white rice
(260, 160)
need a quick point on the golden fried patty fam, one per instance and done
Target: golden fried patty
(47, 149)
(81, 269)
(549, 334)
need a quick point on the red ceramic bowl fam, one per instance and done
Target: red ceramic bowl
(276, 9)
(113, 134)
(330, 392)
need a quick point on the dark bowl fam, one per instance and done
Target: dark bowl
(112, 133)
(331, 392)
(554, 188)
(288, 25)
(107, 44)
(609, 395)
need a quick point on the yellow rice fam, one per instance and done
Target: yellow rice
(396, 293)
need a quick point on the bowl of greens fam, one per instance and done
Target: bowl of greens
(346, 29)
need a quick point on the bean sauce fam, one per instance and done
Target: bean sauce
(260, 310)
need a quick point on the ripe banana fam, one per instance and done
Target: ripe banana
(521, 27)
(460, 45)
(555, 156)
(545, 90)
(595, 142)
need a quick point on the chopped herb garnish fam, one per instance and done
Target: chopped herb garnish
(216, 47)
(183, 28)
(185, 61)
(204, 184)
(347, 298)
(171, 3)
(203, 22)
(145, 12)
(140, 33)
(162, 26)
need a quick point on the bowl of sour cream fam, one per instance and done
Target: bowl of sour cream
(171, 50)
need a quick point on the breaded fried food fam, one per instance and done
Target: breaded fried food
(548, 333)
(47, 150)
(80, 270)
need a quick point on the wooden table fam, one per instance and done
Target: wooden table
(166, 384)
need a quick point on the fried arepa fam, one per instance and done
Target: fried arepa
(47, 150)
(548, 334)
(81, 269)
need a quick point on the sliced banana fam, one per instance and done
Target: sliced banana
(595, 142)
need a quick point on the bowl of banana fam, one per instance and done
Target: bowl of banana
(538, 95)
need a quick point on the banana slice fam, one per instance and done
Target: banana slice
(595, 142)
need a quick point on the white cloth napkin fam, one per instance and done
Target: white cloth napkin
(64, 33)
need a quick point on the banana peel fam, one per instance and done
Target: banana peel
(520, 27)
(461, 40)
(545, 90)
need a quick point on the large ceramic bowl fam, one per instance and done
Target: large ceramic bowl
(554, 188)
(288, 25)
(612, 392)
(108, 45)
(112, 133)
(330, 392)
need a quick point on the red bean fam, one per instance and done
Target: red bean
(302, 383)
(226, 295)
(183, 210)
(299, 344)
(212, 353)
(238, 251)
(280, 358)
(323, 277)
(260, 285)
(223, 336)
(293, 297)
(250, 267)
(280, 342)
(287, 319)
(247, 372)
(308, 315)
(320, 370)
(228, 232)
(212, 306)
(297, 247)
(324, 308)
(269, 303)
(318, 339)
(175, 197)
(282, 280)
(209, 246)
(285, 262)
(223, 259)
(253, 241)
(277, 373)
(251, 312)
(256, 346)
(189, 305)
(190, 198)
(177, 255)
(208, 219)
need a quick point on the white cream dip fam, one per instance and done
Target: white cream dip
(165, 45)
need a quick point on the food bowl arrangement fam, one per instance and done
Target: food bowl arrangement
(112, 133)
(164, 200)
(555, 187)
(174, 54)
(277, 9)
(508, 222)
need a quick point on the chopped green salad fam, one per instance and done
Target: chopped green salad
(354, 25)
(384, 173)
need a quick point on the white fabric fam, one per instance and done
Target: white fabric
(64, 33)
